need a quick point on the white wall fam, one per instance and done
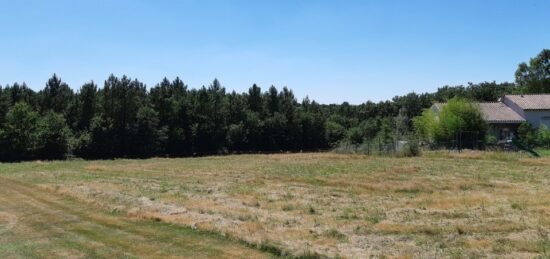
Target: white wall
(538, 116)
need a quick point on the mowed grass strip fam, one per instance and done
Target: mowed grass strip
(44, 225)
(443, 204)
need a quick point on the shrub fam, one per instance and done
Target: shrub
(543, 136)
(411, 149)
(526, 135)
(457, 116)
(426, 125)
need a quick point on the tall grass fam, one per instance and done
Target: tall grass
(402, 149)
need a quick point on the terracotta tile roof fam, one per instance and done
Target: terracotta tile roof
(500, 113)
(531, 101)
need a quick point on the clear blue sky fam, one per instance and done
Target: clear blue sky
(333, 51)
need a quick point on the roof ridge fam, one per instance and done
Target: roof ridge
(526, 94)
(530, 101)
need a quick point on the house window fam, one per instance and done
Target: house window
(545, 121)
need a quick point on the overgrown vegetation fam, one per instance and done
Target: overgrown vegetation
(531, 137)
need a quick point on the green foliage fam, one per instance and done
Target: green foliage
(56, 96)
(491, 139)
(456, 117)
(148, 136)
(3, 105)
(334, 133)
(543, 152)
(169, 100)
(354, 136)
(87, 105)
(236, 137)
(530, 137)
(427, 125)
(535, 76)
(96, 142)
(527, 135)
(543, 136)
(460, 115)
(53, 136)
(312, 127)
(19, 135)
(482, 92)
(387, 132)
(18, 93)
(26, 135)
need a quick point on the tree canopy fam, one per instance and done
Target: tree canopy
(534, 77)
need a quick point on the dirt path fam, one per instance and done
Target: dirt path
(39, 224)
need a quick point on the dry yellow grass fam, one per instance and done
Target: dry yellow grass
(444, 204)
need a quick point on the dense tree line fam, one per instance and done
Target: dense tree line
(123, 118)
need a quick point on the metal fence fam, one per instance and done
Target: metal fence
(378, 146)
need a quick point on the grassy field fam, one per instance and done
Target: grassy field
(543, 152)
(470, 204)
